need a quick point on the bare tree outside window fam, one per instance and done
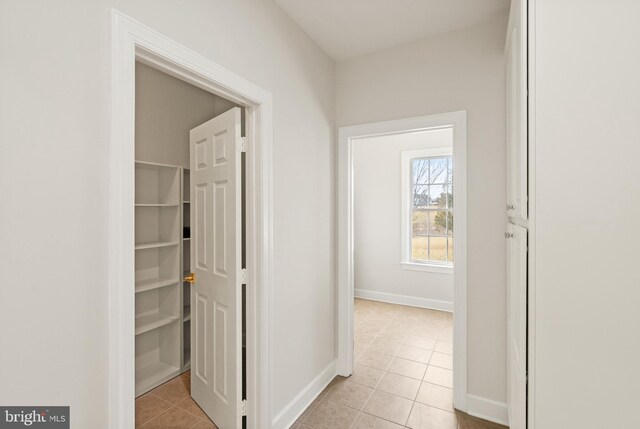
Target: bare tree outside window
(432, 209)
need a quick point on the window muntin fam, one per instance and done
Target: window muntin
(431, 210)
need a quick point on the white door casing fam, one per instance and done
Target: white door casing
(216, 329)
(517, 325)
(516, 76)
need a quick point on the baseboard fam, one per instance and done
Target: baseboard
(487, 409)
(412, 301)
(290, 413)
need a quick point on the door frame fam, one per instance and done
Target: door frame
(345, 329)
(131, 41)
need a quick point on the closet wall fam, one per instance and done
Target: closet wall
(166, 110)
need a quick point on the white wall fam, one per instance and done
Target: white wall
(166, 110)
(377, 194)
(587, 136)
(53, 181)
(462, 70)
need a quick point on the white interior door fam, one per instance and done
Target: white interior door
(517, 325)
(216, 328)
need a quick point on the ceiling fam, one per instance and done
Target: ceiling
(349, 28)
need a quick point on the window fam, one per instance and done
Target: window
(428, 207)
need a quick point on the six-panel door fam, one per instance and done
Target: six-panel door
(216, 358)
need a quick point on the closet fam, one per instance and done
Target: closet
(517, 213)
(167, 109)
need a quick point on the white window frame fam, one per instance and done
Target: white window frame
(405, 223)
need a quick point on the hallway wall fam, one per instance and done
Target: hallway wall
(462, 70)
(54, 125)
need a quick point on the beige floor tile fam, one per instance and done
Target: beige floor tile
(173, 391)
(149, 406)
(366, 376)
(426, 417)
(441, 360)
(375, 360)
(367, 421)
(436, 396)
(331, 415)
(414, 353)
(364, 339)
(385, 346)
(204, 424)
(350, 394)
(190, 406)
(399, 385)
(444, 347)
(408, 368)
(174, 418)
(422, 342)
(394, 334)
(389, 407)
(440, 376)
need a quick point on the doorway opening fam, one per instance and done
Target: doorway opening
(187, 164)
(134, 43)
(402, 271)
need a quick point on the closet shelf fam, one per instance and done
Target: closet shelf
(151, 375)
(149, 321)
(186, 202)
(156, 244)
(145, 285)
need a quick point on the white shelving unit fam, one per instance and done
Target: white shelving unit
(158, 267)
(186, 266)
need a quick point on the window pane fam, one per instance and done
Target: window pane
(438, 224)
(420, 196)
(419, 248)
(420, 222)
(438, 170)
(432, 214)
(437, 197)
(438, 249)
(420, 171)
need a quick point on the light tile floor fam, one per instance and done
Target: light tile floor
(169, 406)
(402, 377)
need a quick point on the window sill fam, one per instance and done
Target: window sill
(430, 268)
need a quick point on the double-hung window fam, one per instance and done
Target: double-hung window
(428, 207)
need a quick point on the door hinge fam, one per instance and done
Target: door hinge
(243, 276)
(243, 407)
(241, 144)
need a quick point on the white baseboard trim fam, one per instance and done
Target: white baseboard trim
(487, 409)
(290, 413)
(413, 301)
